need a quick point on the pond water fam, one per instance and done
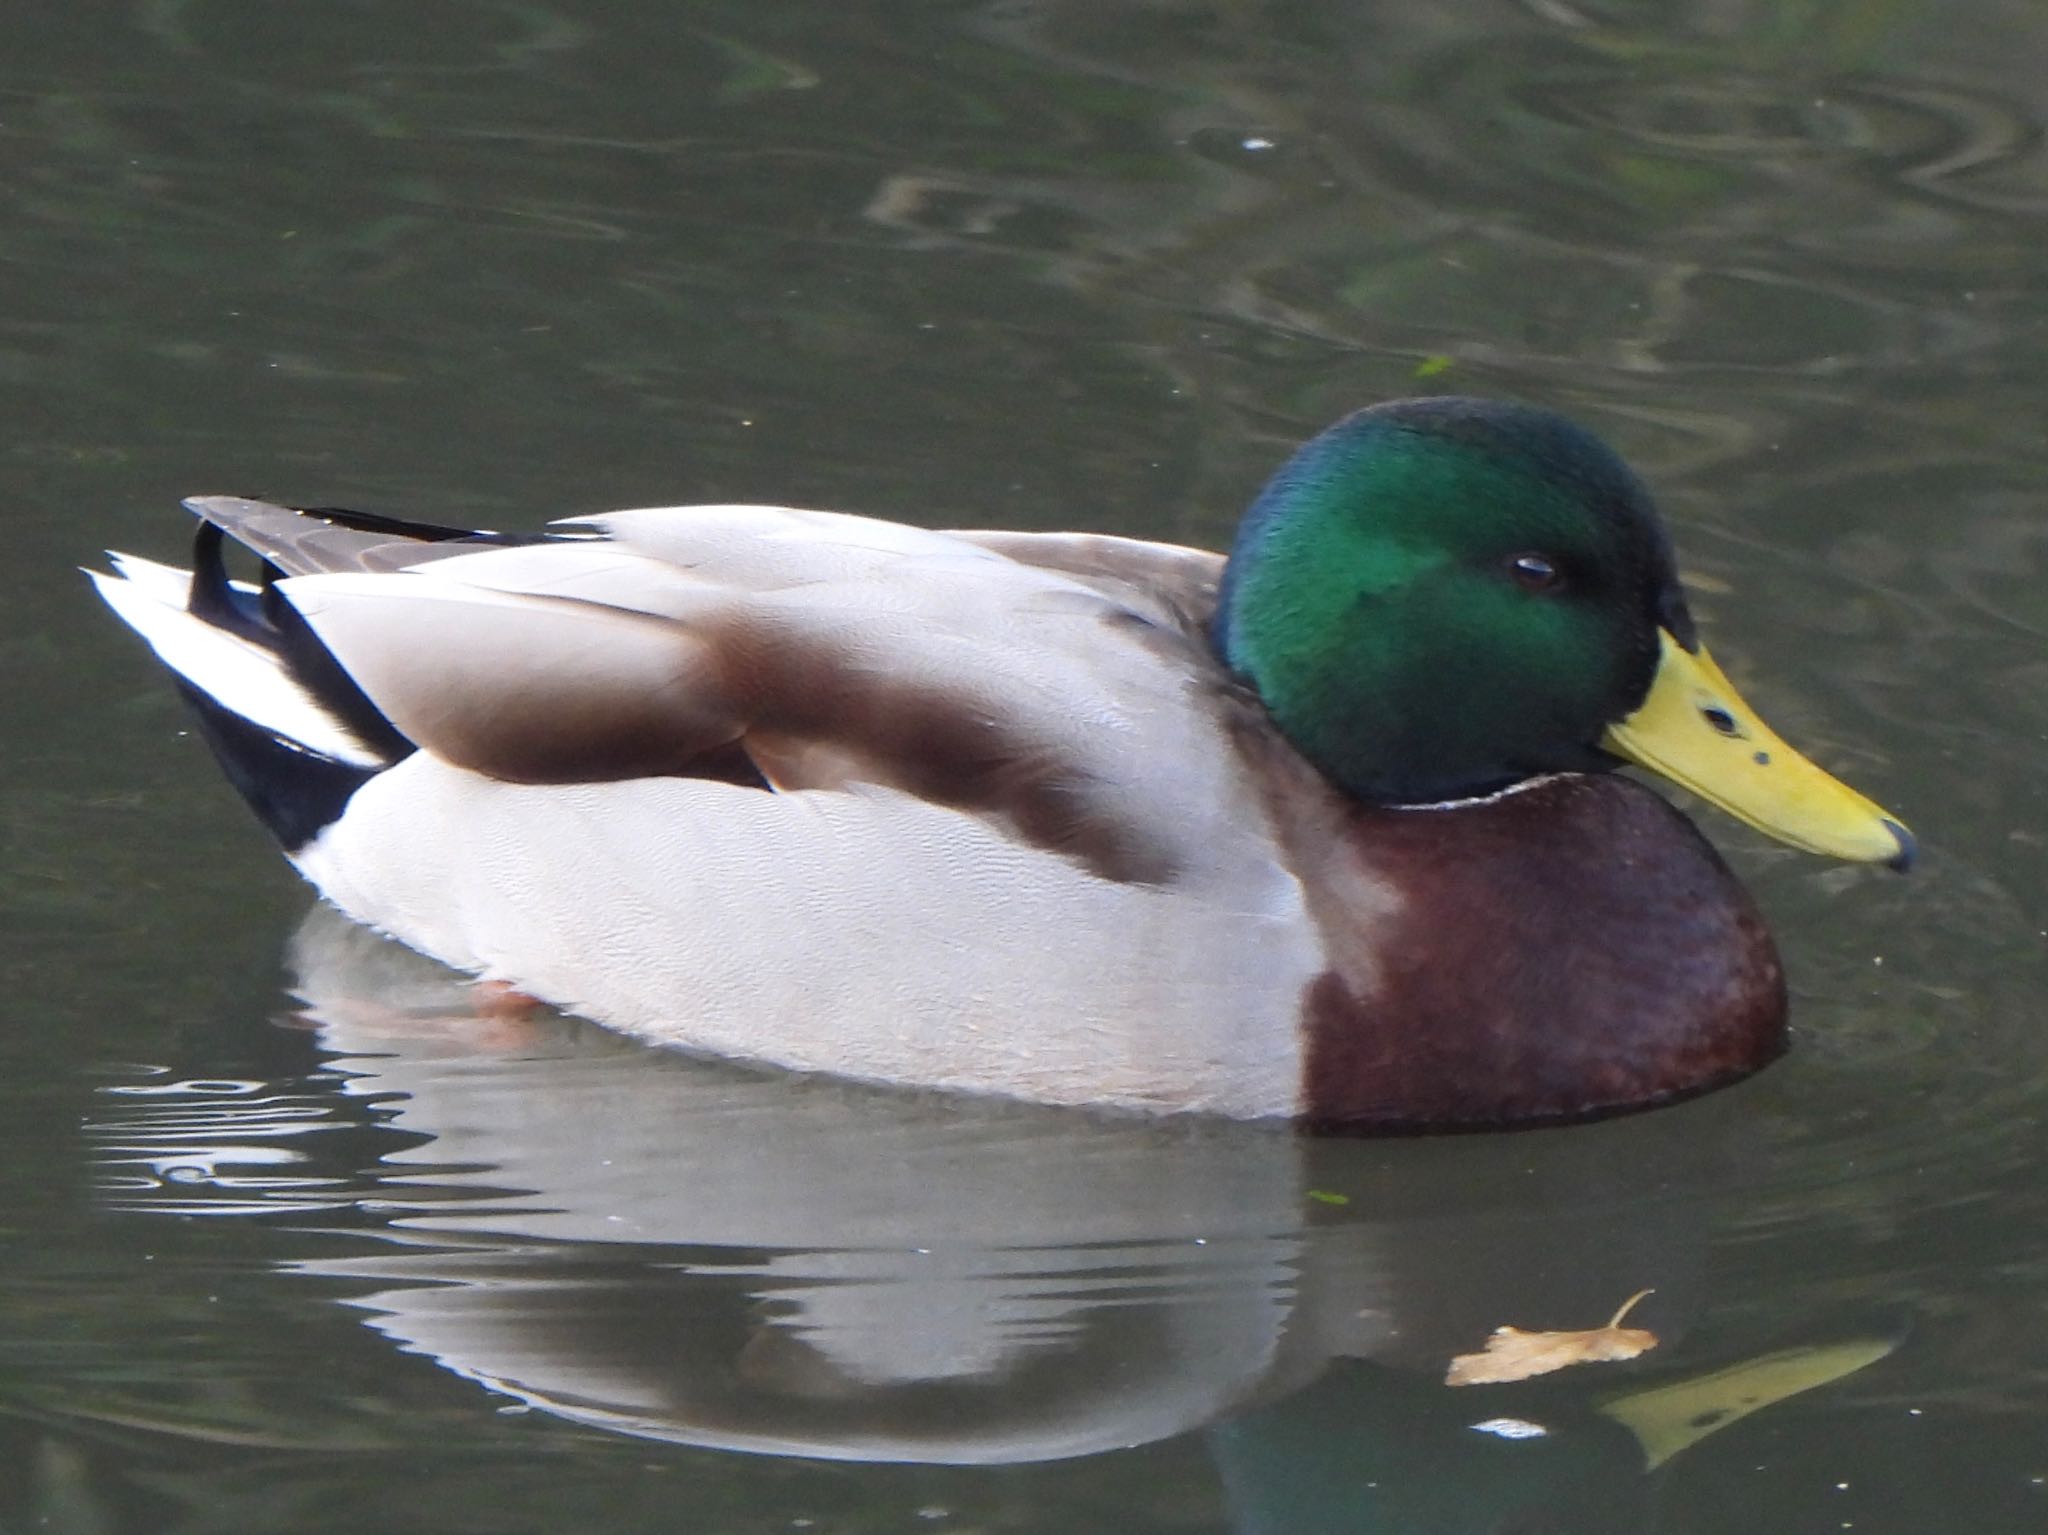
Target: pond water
(292, 1239)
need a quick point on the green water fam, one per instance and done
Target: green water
(290, 1240)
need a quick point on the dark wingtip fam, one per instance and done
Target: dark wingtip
(1909, 849)
(229, 510)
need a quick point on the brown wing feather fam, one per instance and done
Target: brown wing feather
(818, 718)
(524, 688)
(903, 674)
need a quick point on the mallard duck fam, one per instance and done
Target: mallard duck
(1324, 830)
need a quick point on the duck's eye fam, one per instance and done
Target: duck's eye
(1535, 572)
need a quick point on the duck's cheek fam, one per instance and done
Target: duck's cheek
(1568, 950)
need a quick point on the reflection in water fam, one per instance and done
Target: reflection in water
(691, 1252)
(754, 1261)
(230, 1140)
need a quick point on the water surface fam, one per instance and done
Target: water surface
(290, 1239)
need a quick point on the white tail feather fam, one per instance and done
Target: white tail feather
(241, 677)
(162, 583)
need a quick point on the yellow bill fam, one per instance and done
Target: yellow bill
(1695, 729)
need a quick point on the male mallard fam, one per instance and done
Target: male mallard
(1323, 831)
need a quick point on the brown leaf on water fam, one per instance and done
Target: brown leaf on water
(1511, 1354)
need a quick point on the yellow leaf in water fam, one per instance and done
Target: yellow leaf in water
(1511, 1354)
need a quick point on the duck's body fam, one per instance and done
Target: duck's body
(980, 811)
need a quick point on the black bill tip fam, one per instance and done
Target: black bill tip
(1909, 850)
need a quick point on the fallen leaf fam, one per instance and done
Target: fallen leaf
(1512, 1354)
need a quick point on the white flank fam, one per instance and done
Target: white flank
(751, 925)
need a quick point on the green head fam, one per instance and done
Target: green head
(1437, 597)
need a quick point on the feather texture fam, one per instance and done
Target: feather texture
(987, 808)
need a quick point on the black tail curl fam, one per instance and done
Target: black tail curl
(265, 618)
(295, 789)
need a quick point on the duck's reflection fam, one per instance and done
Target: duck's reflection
(692, 1252)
